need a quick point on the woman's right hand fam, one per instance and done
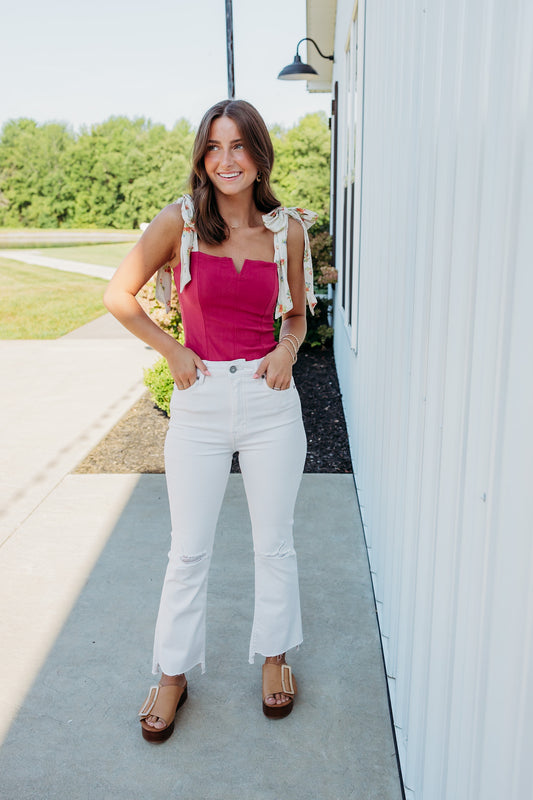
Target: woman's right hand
(183, 364)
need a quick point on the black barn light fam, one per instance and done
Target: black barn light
(298, 71)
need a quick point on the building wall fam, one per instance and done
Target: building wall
(434, 350)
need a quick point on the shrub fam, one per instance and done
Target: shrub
(158, 379)
(322, 253)
(171, 322)
(160, 384)
(319, 333)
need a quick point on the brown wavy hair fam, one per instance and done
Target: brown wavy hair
(209, 223)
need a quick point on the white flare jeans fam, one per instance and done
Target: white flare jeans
(226, 412)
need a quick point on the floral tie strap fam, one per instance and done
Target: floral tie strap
(277, 221)
(189, 243)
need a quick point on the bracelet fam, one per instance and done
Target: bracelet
(291, 343)
(282, 344)
(298, 343)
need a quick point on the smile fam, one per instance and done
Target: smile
(228, 174)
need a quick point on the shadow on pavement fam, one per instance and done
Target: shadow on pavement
(77, 735)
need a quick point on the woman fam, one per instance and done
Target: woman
(237, 258)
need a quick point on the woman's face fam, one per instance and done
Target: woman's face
(229, 166)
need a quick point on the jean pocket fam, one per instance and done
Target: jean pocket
(179, 396)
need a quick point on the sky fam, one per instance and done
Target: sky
(80, 63)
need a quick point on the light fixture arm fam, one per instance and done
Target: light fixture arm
(308, 39)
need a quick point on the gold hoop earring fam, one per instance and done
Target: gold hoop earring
(258, 177)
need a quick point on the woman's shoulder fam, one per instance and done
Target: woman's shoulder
(295, 232)
(173, 209)
(180, 208)
(169, 221)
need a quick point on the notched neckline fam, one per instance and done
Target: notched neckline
(232, 262)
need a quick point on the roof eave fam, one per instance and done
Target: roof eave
(320, 19)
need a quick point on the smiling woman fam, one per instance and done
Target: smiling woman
(230, 151)
(227, 162)
(238, 258)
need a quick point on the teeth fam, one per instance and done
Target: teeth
(228, 174)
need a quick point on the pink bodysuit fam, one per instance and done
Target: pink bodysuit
(228, 314)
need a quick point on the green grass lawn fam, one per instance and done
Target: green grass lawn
(41, 303)
(107, 255)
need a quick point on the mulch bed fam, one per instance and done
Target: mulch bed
(135, 444)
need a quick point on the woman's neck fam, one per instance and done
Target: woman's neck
(239, 211)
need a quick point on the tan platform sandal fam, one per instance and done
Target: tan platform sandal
(163, 702)
(278, 679)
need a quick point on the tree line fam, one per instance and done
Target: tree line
(121, 172)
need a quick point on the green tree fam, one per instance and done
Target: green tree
(166, 171)
(121, 172)
(33, 187)
(107, 158)
(301, 174)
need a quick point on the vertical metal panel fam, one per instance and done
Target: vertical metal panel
(439, 395)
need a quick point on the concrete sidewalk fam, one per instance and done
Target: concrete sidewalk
(58, 399)
(38, 237)
(81, 566)
(37, 258)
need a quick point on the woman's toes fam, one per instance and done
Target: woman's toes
(155, 722)
(276, 699)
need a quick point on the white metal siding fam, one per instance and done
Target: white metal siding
(439, 396)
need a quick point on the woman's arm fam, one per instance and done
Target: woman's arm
(159, 245)
(278, 364)
(294, 321)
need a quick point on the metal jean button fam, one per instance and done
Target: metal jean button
(233, 368)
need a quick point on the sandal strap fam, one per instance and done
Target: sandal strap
(162, 702)
(278, 679)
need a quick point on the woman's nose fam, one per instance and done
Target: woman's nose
(227, 157)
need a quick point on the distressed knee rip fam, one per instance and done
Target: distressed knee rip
(192, 559)
(283, 551)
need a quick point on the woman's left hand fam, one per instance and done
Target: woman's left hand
(277, 368)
